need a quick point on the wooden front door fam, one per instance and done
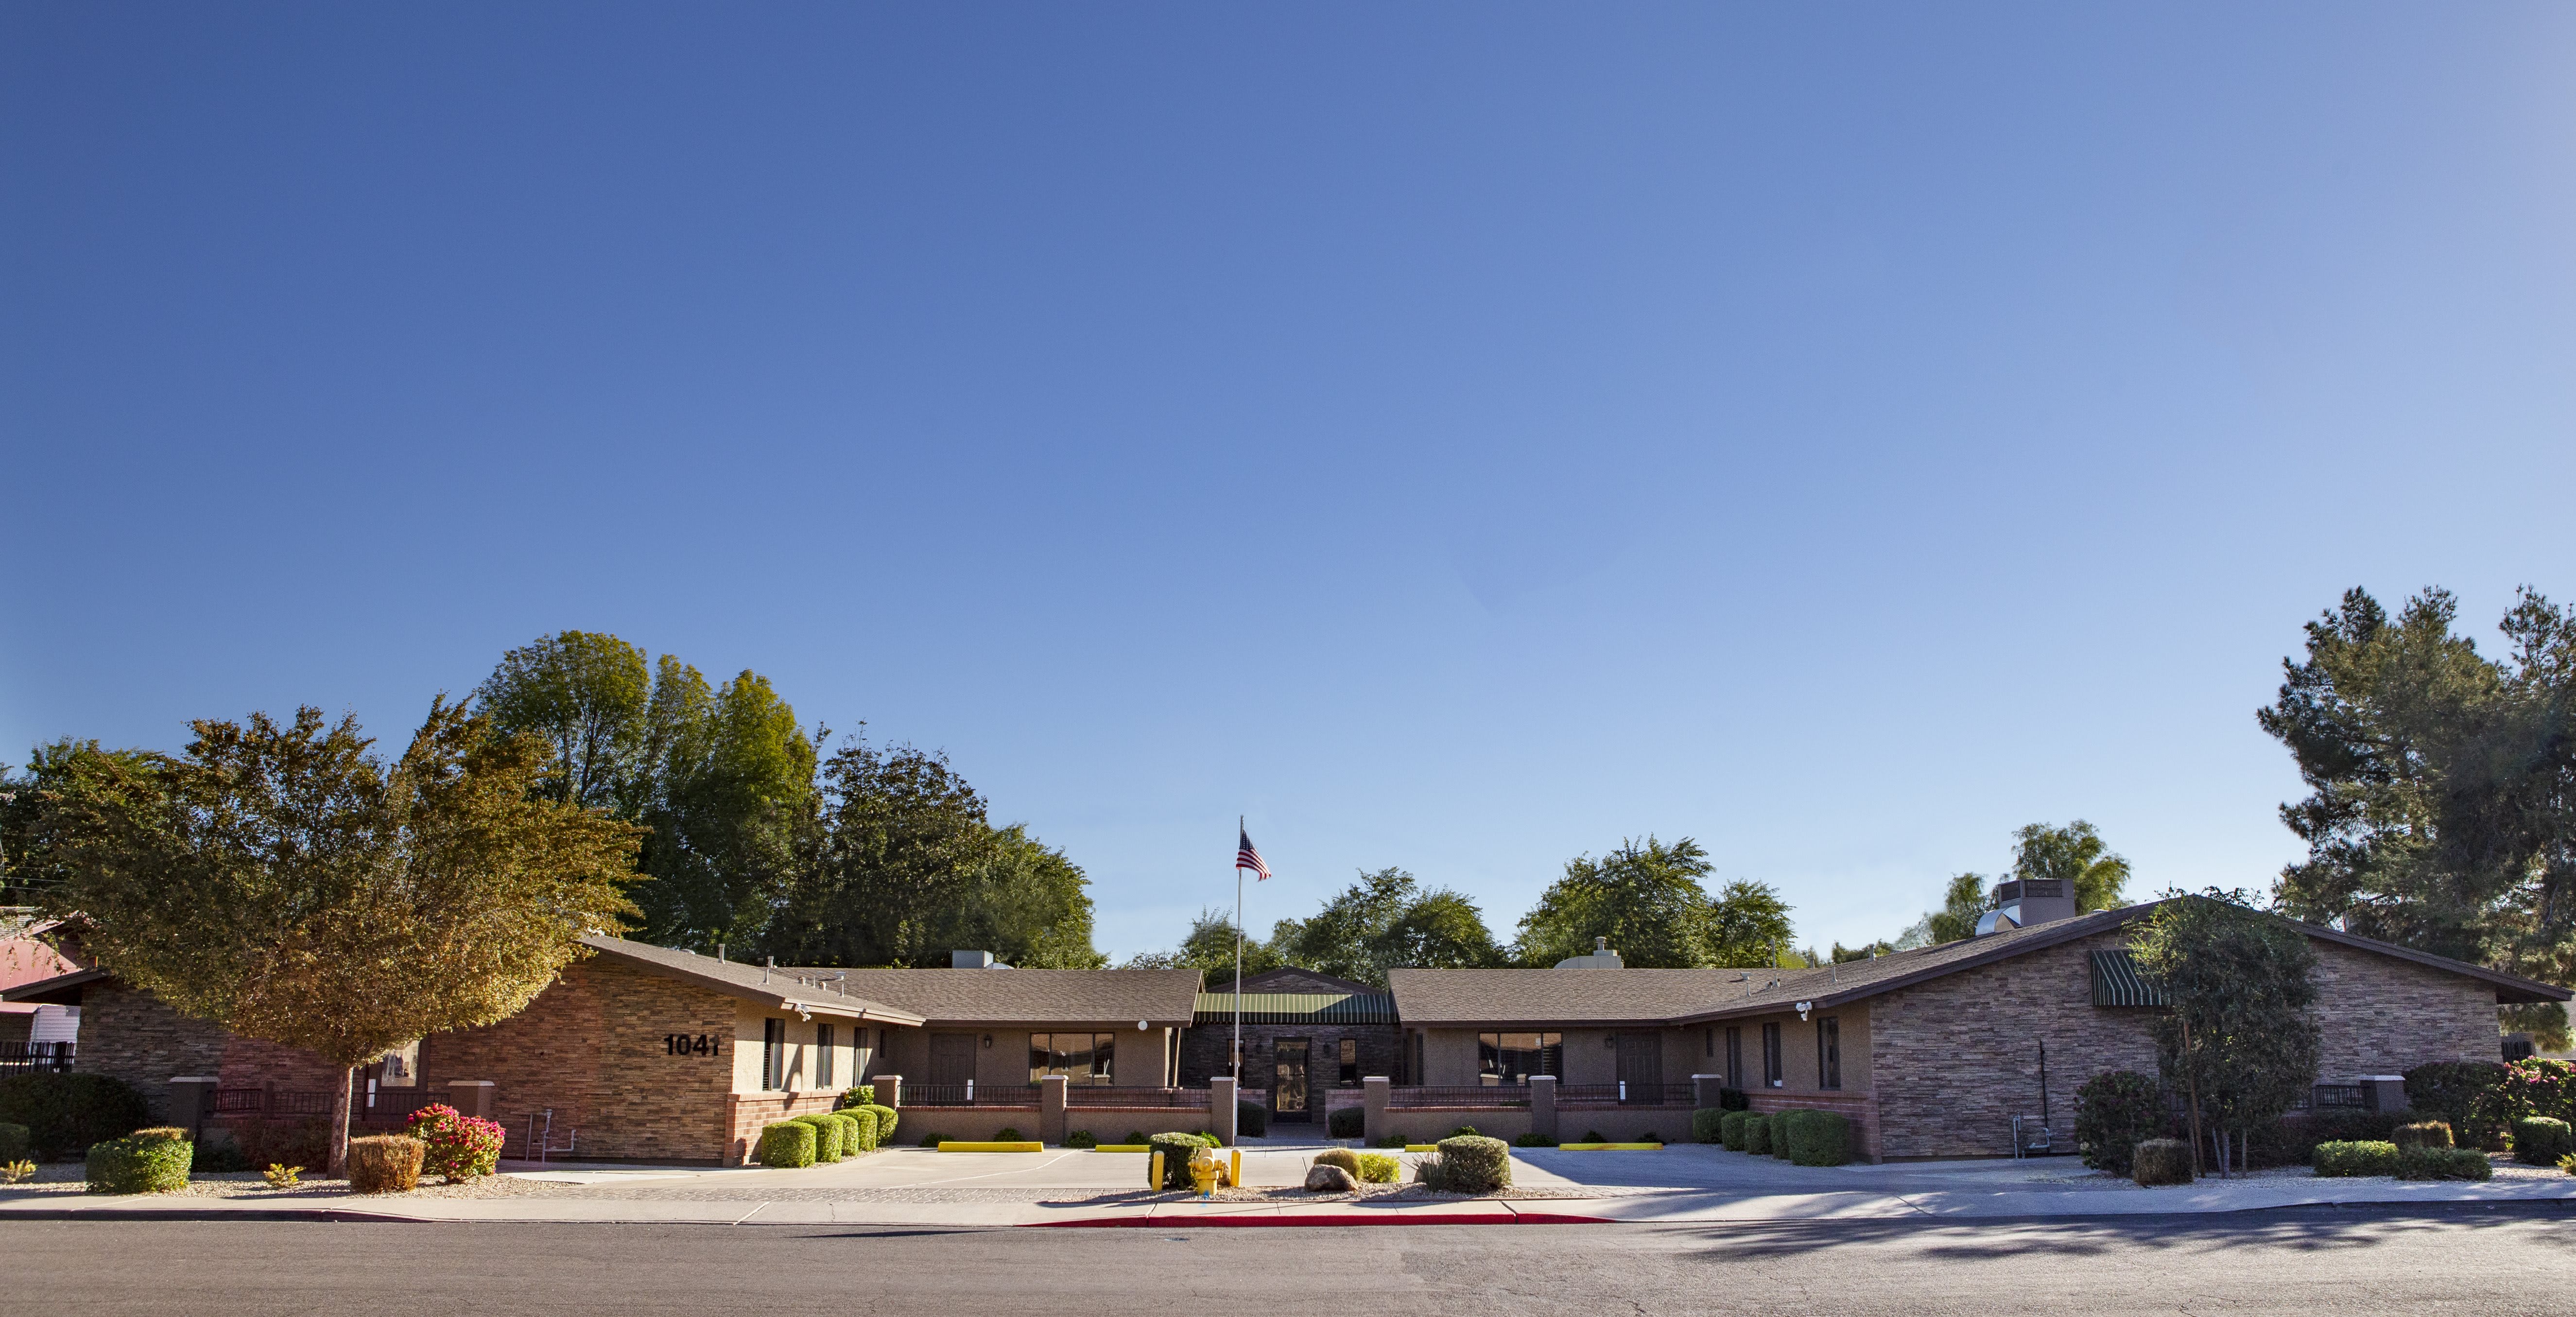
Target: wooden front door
(1641, 1067)
(1288, 1082)
(952, 1059)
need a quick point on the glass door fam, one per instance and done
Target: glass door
(1288, 1084)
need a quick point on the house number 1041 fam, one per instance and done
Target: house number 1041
(681, 1044)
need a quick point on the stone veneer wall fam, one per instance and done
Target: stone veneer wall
(130, 1035)
(2377, 1015)
(590, 1047)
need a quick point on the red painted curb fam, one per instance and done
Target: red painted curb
(1516, 1218)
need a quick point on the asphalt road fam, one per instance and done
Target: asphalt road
(2483, 1261)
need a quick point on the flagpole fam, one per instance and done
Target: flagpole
(1238, 960)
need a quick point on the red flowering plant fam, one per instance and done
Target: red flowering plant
(458, 1147)
(2538, 1087)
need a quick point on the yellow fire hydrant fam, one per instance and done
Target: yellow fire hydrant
(1206, 1171)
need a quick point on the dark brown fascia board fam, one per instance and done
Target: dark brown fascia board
(2527, 990)
(42, 989)
(1542, 1024)
(1043, 1023)
(852, 1008)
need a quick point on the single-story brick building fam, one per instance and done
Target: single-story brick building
(1308, 1039)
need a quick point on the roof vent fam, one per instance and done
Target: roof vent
(974, 960)
(1602, 957)
(2027, 901)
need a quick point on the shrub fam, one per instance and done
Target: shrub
(860, 1135)
(385, 1164)
(1081, 1139)
(1176, 1150)
(1648, 1137)
(2421, 1134)
(1378, 1168)
(1251, 1119)
(1533, 1141)
(2356, 1157)
(2464, 1094)
(165, 1133)
(827, 1136)
(858, 1095)
(928, 1141)
(1133, 1138)
(786, 1143)
(1757, 1135)
(2442, 1164)
(1593, 1136)
(1730, 1129)
(2160, 1161)
(282, 1177)
(11, 1172)
(1342, 1157)
(138, 1166)
(1471, 1132)
(2114, 1111)
(2538, 1086)
(15, 1142)
(1705, 1125)
(1387, 1141)
(1007, 1134)
(459, 1147)
(1474, 1164)
(1818, 1138)
(885, 1123)
(219, 1155)
(1426, 1173)
(2541, 1141)
(1734, 1099)
(1346, 1122)
(2294, 1142)
(66, 1113)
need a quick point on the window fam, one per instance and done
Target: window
(1829, 1052)
(401, 1066)
(1511, 1058)
(1709, 1047)
(823, 1055)
(1734, 1056)
(1082, 1058)
(773, 1054)
(1350, 1075)
(1772, 1075)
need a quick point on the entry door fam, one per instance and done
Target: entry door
(1641, 1067)
(1288, 1083)
(952, 1059)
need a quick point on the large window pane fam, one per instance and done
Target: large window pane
(1511, 1058)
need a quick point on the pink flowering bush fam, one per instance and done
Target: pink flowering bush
(2538, 1088)
(459, 1147)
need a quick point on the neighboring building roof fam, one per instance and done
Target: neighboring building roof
(60, 990)
(786, 989)
(1029, 996)
(1362, 1007)
(1511, 997)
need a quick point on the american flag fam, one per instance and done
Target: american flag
(1246, 857)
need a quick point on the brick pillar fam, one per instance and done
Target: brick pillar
(1221, 1098)
(889, 1090)
(1051, 1109)
(1704, 1089)
(471, 1097)
(192, 1099)
(1373, 1095)
(1542, 1090)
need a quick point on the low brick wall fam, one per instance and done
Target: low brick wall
(746, 1114)
(1432, 1124)
(1107, 1124)
(1624, 1124)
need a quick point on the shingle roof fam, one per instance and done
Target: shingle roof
(780, 987)
(1559, 996)
(1029, 996)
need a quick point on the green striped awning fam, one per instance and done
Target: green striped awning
(1299, 1008)
(2116, 982)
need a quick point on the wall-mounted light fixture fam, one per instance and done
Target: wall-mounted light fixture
(1610, 1041)
(988, 1040)
(1804, 1007)
(1140, 1026)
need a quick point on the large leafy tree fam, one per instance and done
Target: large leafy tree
(1646, 898)
(901, 866)
(285, 882)
(2074, 854)
(2442, 784)
(1209, 947)
(1748, 924)
(2240, 1040)
(1384, 920)
(726, 785)
(585, 693)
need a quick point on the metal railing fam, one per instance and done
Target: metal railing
(1627, 1095)
(1077, 1095)
(1495, 1097)
(35, 1058)
(969, 1094)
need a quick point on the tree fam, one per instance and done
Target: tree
(585, 693)
(1646, 899)
(1209, 948)
(1748, 925)
(285, 883)
(901, 867)
(2239, 1040)
(1963, 902)
(2074, 854)
(726, 784)
(1384, 920)
(2442, 805)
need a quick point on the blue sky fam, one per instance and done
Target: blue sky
(1457, 437)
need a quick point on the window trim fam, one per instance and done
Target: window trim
(773, 1055)
(1829, 1052)
(1775, 1071)
(1549, 1051)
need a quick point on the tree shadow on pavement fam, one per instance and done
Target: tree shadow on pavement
(2306, 1229)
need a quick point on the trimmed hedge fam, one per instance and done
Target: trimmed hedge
(1346, 1122)
(786, 1144)
(885, 1123)
(1817, 1138)
(1705, 1124)
(1251, 1120)
(385, 1164)
(2114, 1112)
(2357, 1157)
(1342, 1157)
(2442, 1164)
(858, 1095)
(1533, 1141)
(66, 1113)
(1082, 1139)
(861, 1136)
(138, 1166)
(1176, 1150)
(2422, 1134)
(2541, 1141)
(827, 1136)
(1474, 1164)
(1730, 1129)
(2160, 1161)
(2462, 1093)
(1378, 1168)
(1757, 1135)
(15, 1142)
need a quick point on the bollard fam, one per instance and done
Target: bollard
(1234, 1172)
(1154, 1171)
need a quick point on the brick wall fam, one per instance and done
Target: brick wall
(130, 1035)
(1204, 1048)
(2377, 1015)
